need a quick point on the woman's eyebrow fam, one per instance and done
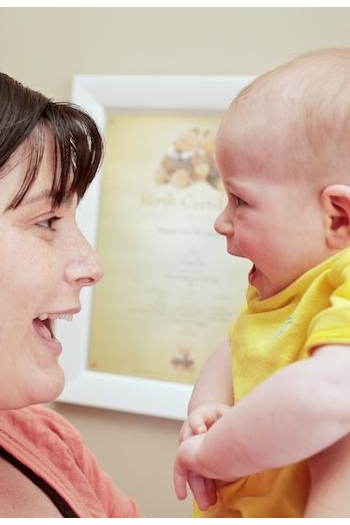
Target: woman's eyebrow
(45, 194)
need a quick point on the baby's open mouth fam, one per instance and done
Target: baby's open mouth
(252, 270)
(251, 274)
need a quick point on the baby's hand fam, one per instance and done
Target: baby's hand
(203, 489)
(202, 418)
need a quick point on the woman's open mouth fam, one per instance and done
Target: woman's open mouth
(44, 324)
(44, 328)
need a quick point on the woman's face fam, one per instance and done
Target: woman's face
(45, 261)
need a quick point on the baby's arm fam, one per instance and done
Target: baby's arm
(330, 481)
(212, 394)
(297, 412)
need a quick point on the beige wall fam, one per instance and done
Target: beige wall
(45, 47)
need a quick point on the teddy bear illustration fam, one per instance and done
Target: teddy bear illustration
(190, 159)
(176, 165)
(204, 164)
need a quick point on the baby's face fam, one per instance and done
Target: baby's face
(272, 217)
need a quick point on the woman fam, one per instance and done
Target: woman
(49, 154)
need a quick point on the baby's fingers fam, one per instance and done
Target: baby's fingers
(180, 481)
(193, 425)
(197, 424)
(203, 490)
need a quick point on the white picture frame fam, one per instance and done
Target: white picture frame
(98, 94)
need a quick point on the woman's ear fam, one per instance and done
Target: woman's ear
(336, 204)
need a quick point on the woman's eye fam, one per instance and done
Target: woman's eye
(48, 223)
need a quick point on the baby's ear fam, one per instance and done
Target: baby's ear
(336, 204)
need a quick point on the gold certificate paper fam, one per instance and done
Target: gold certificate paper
(170, 290)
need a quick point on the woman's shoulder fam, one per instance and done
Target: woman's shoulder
(38, 419)
(42, 431)
(46, 442)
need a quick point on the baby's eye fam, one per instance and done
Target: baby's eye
(48, 223)
(238, 201)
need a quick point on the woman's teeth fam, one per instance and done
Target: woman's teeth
(66, 317)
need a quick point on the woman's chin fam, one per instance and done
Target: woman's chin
(48, 387)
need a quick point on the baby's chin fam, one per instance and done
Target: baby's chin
(265, 288)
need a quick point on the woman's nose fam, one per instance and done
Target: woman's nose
(85, 268)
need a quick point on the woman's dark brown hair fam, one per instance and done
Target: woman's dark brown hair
(25, 115)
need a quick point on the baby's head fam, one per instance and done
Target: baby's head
(283, 150)
(302, 109)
